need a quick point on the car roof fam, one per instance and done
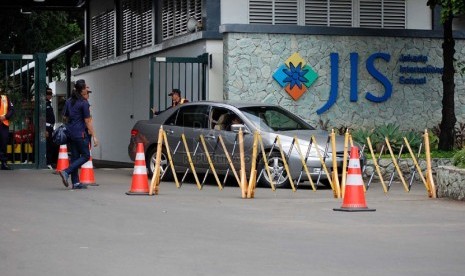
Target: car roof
(237, 104)
(225, 103)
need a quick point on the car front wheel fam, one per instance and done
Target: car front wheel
(277, 172)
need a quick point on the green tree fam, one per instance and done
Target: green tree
(449, 10)
(40, 31)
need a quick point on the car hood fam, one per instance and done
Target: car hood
(320, 135)
(304, 136)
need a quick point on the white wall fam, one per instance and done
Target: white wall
(418, 15)
(58, 87)
(215, 73)
(234, 12)
(116, 101)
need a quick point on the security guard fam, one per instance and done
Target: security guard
(6, 111)
(52, 149)
(176, 99)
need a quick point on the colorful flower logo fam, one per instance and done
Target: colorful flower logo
(295, 76)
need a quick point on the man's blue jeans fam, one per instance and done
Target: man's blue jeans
(80, 154)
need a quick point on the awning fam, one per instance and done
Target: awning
(50, 56)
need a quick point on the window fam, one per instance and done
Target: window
(336, 13)
(103, 36)
(382, 14)
(222, 118)
(328, 13)
(136, 24)
(219, 118)
(316, 13)
(274, 118)
(281, 12)
(175, 14)
(171, 121)
(193, 116)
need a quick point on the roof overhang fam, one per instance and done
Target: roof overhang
(72, 46)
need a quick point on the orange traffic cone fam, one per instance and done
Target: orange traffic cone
(63, 160)
(140, 183)
(86, 176)
(354, 197)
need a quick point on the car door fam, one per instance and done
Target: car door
(222, 119)
(191, 120)
(173, 134)
(219, 118)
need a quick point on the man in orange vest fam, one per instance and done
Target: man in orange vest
(176, 99)
(6, 111)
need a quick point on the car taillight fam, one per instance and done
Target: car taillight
(134, 132)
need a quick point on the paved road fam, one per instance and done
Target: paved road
(46, 229)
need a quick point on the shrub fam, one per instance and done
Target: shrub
(414, 139)
(360, 135)
(393, 134)
(459, 159)
(396, 138)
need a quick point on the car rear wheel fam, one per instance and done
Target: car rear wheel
(277, 171)
(164, 167)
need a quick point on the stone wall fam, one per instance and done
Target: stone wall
(406, 166)
(450, 182)
(250, 60)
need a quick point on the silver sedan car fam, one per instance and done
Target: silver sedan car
(215, 119)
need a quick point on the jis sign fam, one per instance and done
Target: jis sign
(295, 76)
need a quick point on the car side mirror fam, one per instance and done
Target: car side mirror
(236, 127)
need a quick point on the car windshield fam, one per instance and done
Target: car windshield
(273, 118)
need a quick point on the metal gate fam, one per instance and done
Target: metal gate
(189, 74)
(23, 79)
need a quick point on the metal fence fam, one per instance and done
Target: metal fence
(22, 78)
(188, 74)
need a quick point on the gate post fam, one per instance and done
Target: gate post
(40, 109)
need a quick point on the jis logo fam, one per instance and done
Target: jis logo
(295, 76)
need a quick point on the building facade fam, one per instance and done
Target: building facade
(350, 63)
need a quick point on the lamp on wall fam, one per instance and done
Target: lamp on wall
(193, 25)
(39, 1)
